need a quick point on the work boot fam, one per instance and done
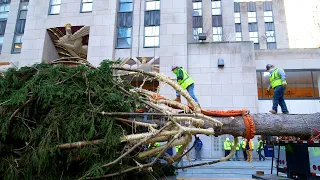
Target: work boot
(178, 99)
(285, 112)
(273, 111)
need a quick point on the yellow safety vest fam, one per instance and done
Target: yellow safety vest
(260, 144)
(186, 81)
(243, 144)
(275, 78)
(227, 145)
(178, 148)
(238, 145)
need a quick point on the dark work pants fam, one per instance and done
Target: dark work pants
(226, 153)
(278, 99)
(260, 155)
(245, 155)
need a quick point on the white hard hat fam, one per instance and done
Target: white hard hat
(197, 135)
(174, 67)
(227, 139)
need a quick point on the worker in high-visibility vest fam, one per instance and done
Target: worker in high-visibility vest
(181, 160)
(185, 81)
(237, 151)
(260, 148)
(156, 144)
(249, 149)
(278, 83)
(227, 147)
(243, 147)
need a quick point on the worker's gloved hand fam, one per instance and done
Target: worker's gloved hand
(268, 90)
(284, 83)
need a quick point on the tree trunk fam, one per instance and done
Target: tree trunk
(271, 125)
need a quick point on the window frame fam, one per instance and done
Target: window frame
(197, 9)
(50, 7)
(261, 71)
(257, 37)
(155, 36)
(196, 36)
(215, 9)
(120, 3)
(217, 34)
(237, 18)
(124, 27)
(14, 43)
(266, 15)
(127, 37)
(81, 6)
(157, 8)
(237, 36)
(274, 36)
(6, 6)
(21, 9)
(155, 2)
(250, 18)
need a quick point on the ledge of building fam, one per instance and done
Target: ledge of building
(220, 42)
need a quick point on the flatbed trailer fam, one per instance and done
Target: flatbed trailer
(297, 159)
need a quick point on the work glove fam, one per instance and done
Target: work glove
(268, 90)
(284, 83)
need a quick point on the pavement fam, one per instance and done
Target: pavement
(237, 170)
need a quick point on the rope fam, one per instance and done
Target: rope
(250, 126)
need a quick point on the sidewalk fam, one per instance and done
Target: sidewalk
(225, 170)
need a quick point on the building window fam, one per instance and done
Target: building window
(268, 17)
(197, 9)
(4, 10)
(55, 6)
(252, 13)
(238, 36)
(237, 21)
(254, 37)
(196, 32)
(216, 20)
(152, 5)
(217, 33)
(267, 5)
(124, 24)
(17, 43)
(270, 36)
(151, 36)
(124, 38)
(302, 84)
(251, 7)
(20, 25)
(86, 5)
(252, 17)
(253, 32)
(197, 19)
(272, 45)
(216, 7)
(152, 24)
(236, 7)
(237, 18)
(125, 6)
(238, 32)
